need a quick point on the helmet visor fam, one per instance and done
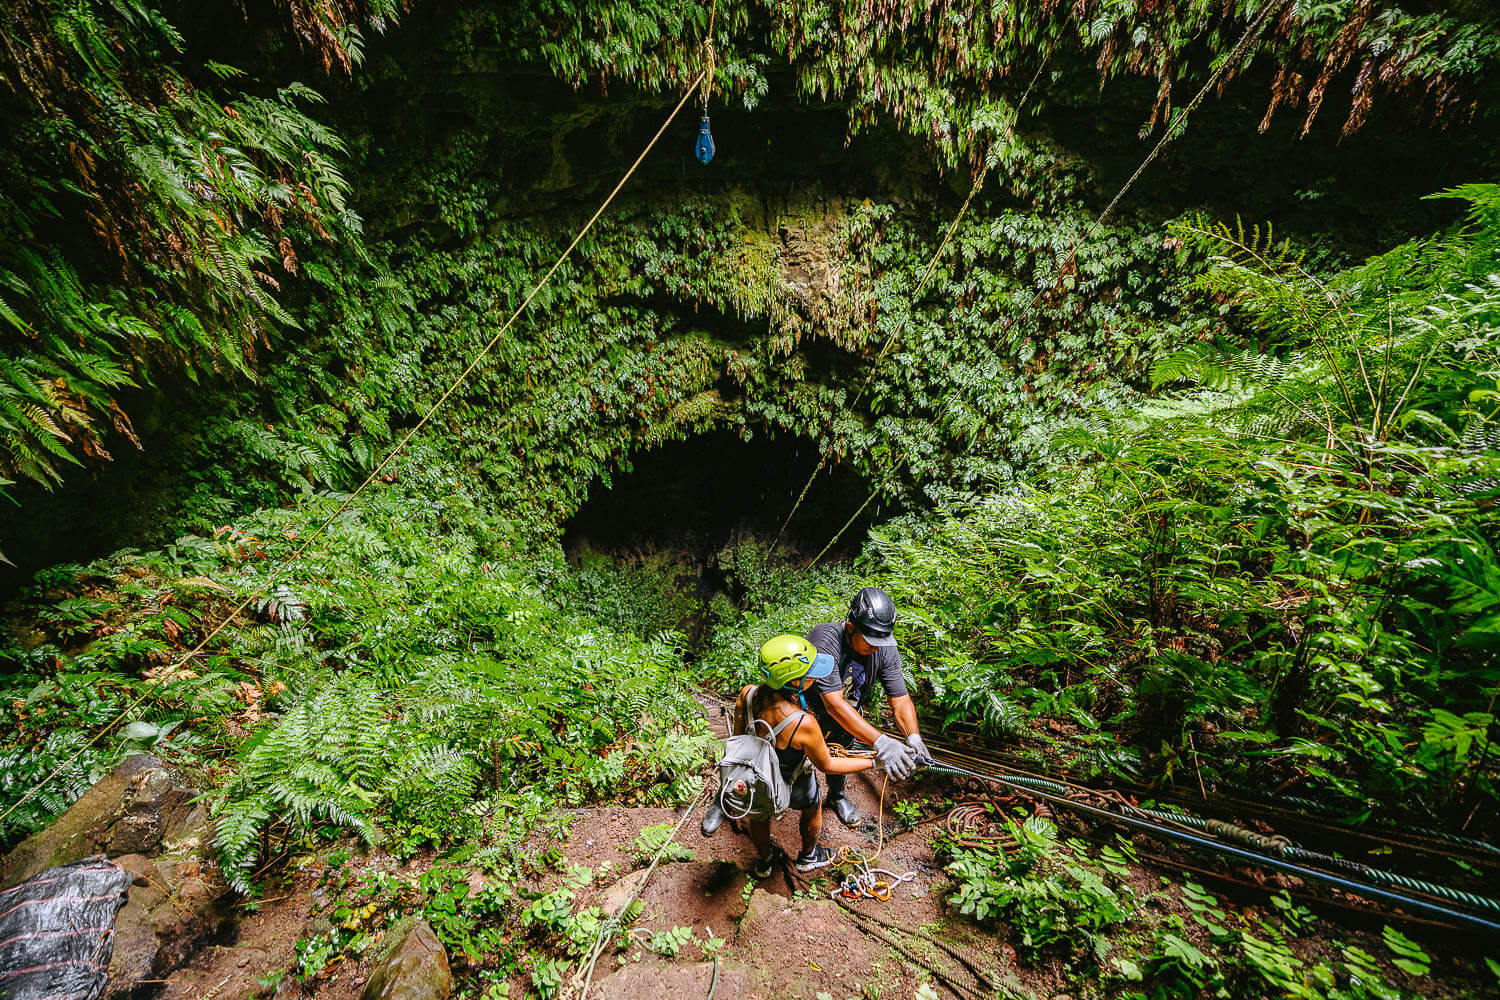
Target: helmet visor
(822, 667)
(876, 639)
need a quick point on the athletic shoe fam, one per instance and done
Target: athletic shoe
(818, 857)
(766, 865)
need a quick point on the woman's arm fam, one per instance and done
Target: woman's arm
(809, 739)
(742, 710)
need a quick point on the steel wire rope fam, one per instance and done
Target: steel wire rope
(1161, 861)
(349, 499)
(1172, 130)
(1262, 810)
(1277, 861)
(1185, 823)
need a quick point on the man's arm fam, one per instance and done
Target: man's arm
(844, 714)
(905, 711)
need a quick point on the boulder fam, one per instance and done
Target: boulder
(145, 819)
(172, 907)
(413, 966)
(139, 808)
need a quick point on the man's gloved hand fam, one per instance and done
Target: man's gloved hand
(895, 757)
(917, 747)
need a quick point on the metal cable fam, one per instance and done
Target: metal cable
(1280, 860)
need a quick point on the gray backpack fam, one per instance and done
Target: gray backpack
(750, 781)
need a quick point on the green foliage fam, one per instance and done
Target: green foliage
(656, 838)
(1410, 958)
(149, 210)
(669, 941)
(935, 71)
(392, 677)
(1287, 576)
(1050, 899)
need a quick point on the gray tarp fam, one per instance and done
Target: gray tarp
(57, 931)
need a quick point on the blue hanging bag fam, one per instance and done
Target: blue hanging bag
(705, 148)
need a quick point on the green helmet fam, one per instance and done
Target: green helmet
(786, 658)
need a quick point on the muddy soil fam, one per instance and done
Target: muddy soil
(784, 937)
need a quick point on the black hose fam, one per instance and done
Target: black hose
(1155, 829)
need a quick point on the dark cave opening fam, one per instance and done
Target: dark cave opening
(660, 544)
(699, 494)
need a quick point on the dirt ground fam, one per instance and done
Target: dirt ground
(783, 937)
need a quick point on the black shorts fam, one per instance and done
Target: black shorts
(806, 792)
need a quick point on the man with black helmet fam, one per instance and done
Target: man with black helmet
(863, 652)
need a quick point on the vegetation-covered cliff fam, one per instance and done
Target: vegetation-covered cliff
(1199, 493)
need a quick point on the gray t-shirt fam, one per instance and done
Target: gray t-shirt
(854, 675)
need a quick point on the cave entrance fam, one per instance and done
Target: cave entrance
(664, 541)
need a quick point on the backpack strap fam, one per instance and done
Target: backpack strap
(776, 733)
(776, 730)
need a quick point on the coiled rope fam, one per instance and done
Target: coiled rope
(862, 880)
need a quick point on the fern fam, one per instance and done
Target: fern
(1350, 358)
(190, 192)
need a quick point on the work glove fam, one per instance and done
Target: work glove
(895, 757)
(916, 746)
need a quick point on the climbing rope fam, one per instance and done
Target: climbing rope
(348, 501)
(611, 924)
(704, 149)
(1277, 854)
(937, 254)
(1171, 131)
(862, 880)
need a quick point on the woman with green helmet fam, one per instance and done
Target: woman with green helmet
(791, 665)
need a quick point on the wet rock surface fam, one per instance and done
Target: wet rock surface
(173, 907)
(414, 966)
(143, 818)
(138, 808)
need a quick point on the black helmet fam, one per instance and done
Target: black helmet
(874, 614)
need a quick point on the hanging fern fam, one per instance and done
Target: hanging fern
(1349, 357)
(162, 241)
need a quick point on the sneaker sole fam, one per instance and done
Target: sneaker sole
(813, 866)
